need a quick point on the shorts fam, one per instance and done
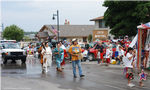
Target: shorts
(116, 53)
(101, 55)
(107, 60)
(129, 74)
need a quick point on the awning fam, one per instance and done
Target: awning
(144, 26)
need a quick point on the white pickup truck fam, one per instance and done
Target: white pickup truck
(12, 51)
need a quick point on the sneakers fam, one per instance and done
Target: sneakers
(75, 76)
(82, 76)
(58, 69)
(131, 85)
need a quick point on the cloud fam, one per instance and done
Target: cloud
(31, 15)
(50, 0)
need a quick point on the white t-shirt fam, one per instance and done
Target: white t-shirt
(117, 48)
(121, 52)
(110, 46)
(147, 48)
(128, 63)
(108, 53)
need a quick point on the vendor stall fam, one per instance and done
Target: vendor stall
(143, 46)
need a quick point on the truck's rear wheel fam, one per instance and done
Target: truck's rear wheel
(4, 61)
(23, 61)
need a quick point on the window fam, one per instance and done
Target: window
(102, 24)
(84, 39)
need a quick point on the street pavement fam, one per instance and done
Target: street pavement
(97, 77)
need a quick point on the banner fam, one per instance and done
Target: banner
(133, 41)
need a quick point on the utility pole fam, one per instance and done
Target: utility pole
(57, 22)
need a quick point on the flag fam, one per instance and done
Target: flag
(54, 30)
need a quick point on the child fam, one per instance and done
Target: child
(129, 67)
(108, 55)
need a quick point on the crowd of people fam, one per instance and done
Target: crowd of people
(127, 56)
(123, 54)
(59, 52)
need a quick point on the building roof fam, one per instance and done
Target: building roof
(31, 36)
(72, 30)
(42, 34)
(98, 18)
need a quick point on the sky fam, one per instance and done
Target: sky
(31, 15)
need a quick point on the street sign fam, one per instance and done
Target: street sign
(100, 34)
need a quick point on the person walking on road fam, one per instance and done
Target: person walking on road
(47, 57)
(40, 53)
(75, 51)
(59, 55)
(30, 54)
(65, 54)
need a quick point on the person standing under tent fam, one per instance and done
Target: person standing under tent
(147, 50)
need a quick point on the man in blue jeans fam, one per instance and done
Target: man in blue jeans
(75, 51)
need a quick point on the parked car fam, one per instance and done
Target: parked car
(93, 52)
(12, 51)
(85, 55)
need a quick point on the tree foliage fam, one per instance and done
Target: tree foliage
(13, 32)
(123, 17)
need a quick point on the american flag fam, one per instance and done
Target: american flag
(54, 30)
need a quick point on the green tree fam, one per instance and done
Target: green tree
(13, 32)
(90, 38)
(123, 17)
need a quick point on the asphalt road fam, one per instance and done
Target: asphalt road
(97, 77)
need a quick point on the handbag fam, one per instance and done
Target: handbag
(80, 56)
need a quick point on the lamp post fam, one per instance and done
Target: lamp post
(57, 22)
